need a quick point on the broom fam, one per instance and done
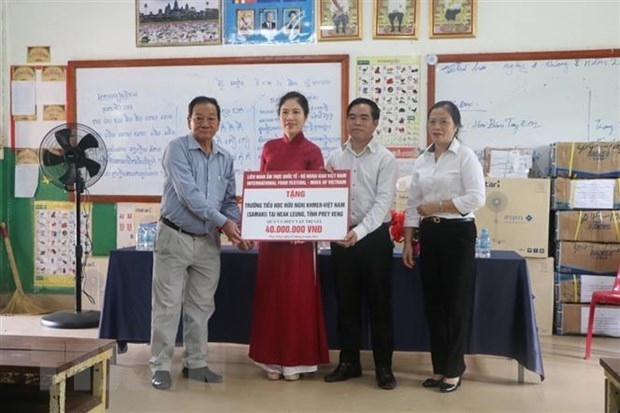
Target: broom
(19, 303)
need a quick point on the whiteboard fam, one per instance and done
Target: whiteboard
(527, 102)
(139, 106)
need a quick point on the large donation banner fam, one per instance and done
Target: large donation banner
(295, 206)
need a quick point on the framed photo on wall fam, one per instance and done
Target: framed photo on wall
(395, 19)
(291, 25)
(340, 19)
(165, 23)
(245, 21)
(452, 18)
(269, 21)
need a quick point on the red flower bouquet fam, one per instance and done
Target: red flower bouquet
(397, 230)
(397, 225)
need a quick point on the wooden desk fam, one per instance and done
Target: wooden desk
(612, 384)
(55, 374)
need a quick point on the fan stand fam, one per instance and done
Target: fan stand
(77, 318)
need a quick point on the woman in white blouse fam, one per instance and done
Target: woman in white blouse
(446, 188)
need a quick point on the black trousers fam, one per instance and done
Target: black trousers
(448, 270)
(364, 272)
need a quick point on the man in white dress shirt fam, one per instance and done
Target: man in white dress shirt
(362, 261)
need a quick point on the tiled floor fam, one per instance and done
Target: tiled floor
(572, 384)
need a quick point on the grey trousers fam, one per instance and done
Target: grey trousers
(186, 271)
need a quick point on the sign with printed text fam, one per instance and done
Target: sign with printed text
(295, 206)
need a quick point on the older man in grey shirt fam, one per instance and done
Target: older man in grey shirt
(198, 200)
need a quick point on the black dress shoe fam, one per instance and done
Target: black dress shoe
(431, 382)
(161, 380)
(449, 388)
(202, 374)
(344, 371)
(385, 378)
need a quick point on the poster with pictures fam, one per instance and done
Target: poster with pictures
(394, 84)
(269, 21)
(54, 242)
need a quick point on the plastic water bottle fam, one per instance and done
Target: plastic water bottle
(477, 253)
(151, 233)
(142, 238)
(485, 244)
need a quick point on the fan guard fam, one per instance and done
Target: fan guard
(71, 151)
(496, 201)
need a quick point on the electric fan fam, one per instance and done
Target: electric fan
(73, 157)
(496, 202)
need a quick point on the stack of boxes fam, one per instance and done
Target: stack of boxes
(516, 214)
(586, 198)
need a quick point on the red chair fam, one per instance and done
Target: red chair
(601, 297)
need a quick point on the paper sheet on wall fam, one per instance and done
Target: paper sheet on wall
(23, 98)
(29, 134)
(52, 86)
(26, 180)
(95, 274)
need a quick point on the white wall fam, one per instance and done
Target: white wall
(105, 29)
(3, 78)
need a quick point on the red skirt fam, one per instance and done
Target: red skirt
(288, 328)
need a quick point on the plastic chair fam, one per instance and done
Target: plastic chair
(601, 297)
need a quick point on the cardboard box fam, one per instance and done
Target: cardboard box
(585, 194)
(540, 271)
(573, 319)
(585, 159)
(514, 224)
(592, 226)
(541, 162)
(587, 258)
(507, 162)
(578, 288)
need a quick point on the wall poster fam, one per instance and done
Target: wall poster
(54, 242)
(394, 83)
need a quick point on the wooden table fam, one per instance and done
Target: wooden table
(612, 384)
(54, 374)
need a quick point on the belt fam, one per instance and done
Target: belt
(175, 227)
(438, 220)
(384, 225)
